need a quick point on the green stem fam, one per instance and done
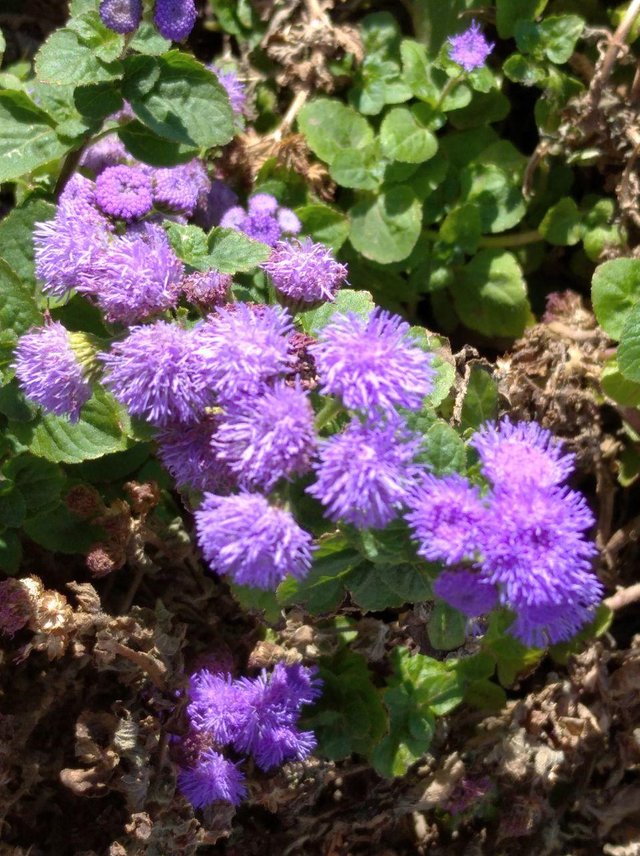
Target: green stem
(516, 239)
(330, 409)
(449, 86)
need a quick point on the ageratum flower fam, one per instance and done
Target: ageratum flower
(136, 276)
(445, 515)
(121, 16)
(108, 151)
(211, 779)
(470, 49)
(181, 188)
(217, 706)
(263, 221)
(49, 371)
(548, 624)
(219, 200)
(365, 473)
(372, 365)
(521, 451)
(175, 18)
(185, 450)
(304, 274)
(268, 438)
(124, 192)
(241, 348)
(207, 289)
(253, 542)
(466, 590)
(155, 372)
(234, 88)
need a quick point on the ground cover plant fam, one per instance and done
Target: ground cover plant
(319, 393)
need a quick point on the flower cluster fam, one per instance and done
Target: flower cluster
(263, 220)
(521, 544)
(305, 274)
(255, 717)
(173, 18)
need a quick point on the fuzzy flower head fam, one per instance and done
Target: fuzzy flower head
(155, 373)
(234, 88)
(254, 542)
(467, 591)
(365, 473)
(470, 49)
(218, 201)
(175, 18)
(121, 16)
(548, 624)
(108, 151)
(186, 451)
(217, 706)
(213, 778)
(304, 274)
(241, 348)
(268, 438)
(264, 220)
(372, 365)
(445, 515)
(49, 371)
(124, 192)
(137, 276)
(523, 451)
(206, 289)
(181, 188)
(534, 547)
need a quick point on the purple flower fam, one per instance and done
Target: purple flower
(548, 624)
(267, 438)
(263, 203)
(185, 450)
(124, 192)
(372, 365)
(219, 200)
(264, 221)
(288, 221)
(207, 289)
(108, 151)
(466, 590)
(121, 16)
(445, 515)
(181, 188)
(136, 276)
(304, 273)
(16, 608)
(234, 88)
(513, 453)
(175, 18)
(470, 49)
(255, 543)
(217, 705)
(50, 372)
(155, 372)
(365, 473)
(242, 348)
(212, 778)
(534, 547)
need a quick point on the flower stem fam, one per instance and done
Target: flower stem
(516, 239)
(449, 86)
(330, 409)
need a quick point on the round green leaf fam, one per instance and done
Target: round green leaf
(615, 290)
(330, 126)
(386, 228)
(629, 348)
(405, 137)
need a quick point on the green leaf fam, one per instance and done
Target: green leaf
(18, 309)
(61, 531)
(443, 450)
(322, 590)
(615, 290)
(511, 656)
(65, 60)
(254, 600)
(349, 716)
(106, 44)
(554, 38)
(147, 40)
(490, 294)
(16, 235)
(494, 182)
(618, 387)
(39, 481)
(328, 225)
(189, 243)
(480, 403)
(231, 251)
(103, 428)
(629, 347)
(147, 146)
(405, 135)
(381, 586)
(417, 71)
(385, 228)
(96, 101)
(179, 99)
(360, 169)
(359, 302)
(509, 12)
(330, 126)
(27, 137)
(10, 551)
(434, 20)
(463, 226)
(524, 70)
(13, 509)
(446, 627)
(562, 224)
(485, 696)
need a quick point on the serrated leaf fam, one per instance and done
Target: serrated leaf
(18, 309)
(494, 183)
(323, 588)
(328, 225)
(359, 302)
(329, 126)
(360, 168)
(443, 450)
(615, 291)
(377, 586)
(629, 347)
(231, 251)
(147, 146)
(562, 224)
(189, 243)
(27, 137)
(65, 60)
(61, 531)
(147, 40)
(509, 12)
(179, 99)
(254, 600)
(619, 388)
(16, 235)
(480, 403)
(405, 135)
(39, 481)
(385, 228)
(106, 44)
(446, 627)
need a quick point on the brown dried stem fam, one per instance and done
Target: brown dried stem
(616, 45)
(623, 597)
